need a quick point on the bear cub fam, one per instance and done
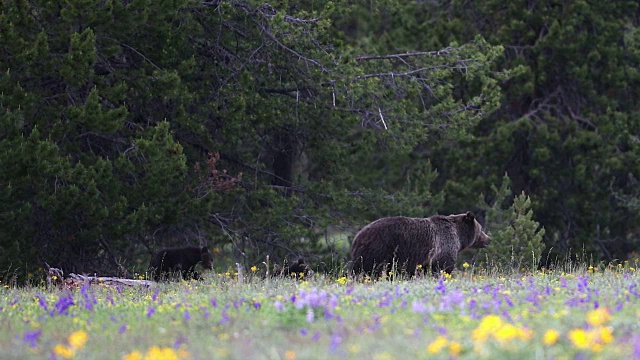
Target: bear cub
(297, 270)
(433, 242)
(182, 259)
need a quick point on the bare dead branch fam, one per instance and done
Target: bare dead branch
(462, 66)
(286, 48)
(441, 52)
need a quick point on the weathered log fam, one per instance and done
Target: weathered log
(112, 280)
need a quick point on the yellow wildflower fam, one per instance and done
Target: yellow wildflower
(510, 332)
(605, 334)
(598, 317)
(134, 355)
(77, 339)
(579, 338)
(488, 326)
(63, 351)
(342, 280)
(437, 345)
(156, 353)
(454, 348)
(550, 337)
(465, 265)
(254, 268)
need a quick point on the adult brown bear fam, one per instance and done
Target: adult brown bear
(433, 243)
(182, 259)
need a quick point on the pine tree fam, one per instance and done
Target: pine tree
(516, 236)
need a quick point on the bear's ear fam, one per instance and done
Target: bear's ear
(469, 216)
(204, 249)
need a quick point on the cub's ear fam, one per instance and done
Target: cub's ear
(204, 249)
(469, 216)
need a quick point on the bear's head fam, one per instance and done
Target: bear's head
(205, 258)
(477, 237)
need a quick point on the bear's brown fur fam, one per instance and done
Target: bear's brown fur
(433, 243)
(182, 259)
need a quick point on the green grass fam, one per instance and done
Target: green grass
(471, 315)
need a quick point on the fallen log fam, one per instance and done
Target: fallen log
(107, 280)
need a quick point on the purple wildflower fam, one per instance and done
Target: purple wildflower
(256, 305)
(89, 299)
(335, 342)
(452, 300)
(303, 332)
(122, 329)
(180, 340)
(441, 288)
(278, 305)
(328, 315)
(43, 303)
(31, 337)
(385, 302)
(350, 290)
(213, 303)
(583, 283)
(310, 315)
(418, 306)
(150, 311)
(186, 316)
(532, 297)
(636, 347)
(63, 304)
(563, 283)
(316, 336)
(619, 306)
(507, 300)
(225, 318)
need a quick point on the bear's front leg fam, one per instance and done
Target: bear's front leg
(443, 262)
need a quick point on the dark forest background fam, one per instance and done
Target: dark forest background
(276, 128)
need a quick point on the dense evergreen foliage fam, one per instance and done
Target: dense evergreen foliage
(259, 128)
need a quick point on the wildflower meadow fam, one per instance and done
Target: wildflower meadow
(585, 313)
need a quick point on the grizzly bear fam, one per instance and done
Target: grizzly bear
(182, 259)
(433, 243)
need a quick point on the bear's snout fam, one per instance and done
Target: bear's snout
(483, 241)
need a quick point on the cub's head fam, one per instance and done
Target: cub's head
(205, 258)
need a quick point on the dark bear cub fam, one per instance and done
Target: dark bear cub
(297, 270)
(433, 243)
(182, 259)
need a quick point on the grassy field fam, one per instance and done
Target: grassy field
(584, 313)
